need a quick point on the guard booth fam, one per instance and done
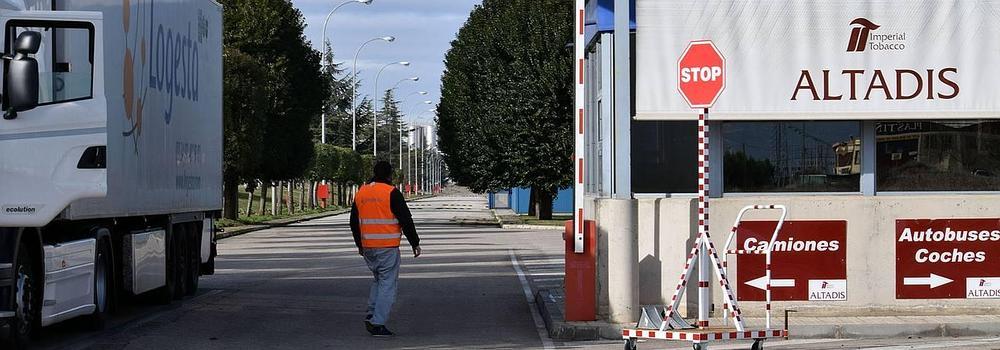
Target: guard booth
(877, 124)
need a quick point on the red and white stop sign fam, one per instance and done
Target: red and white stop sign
(701, 74)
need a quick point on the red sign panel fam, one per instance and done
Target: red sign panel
(701, 74)
(808, 260)
(948, 258)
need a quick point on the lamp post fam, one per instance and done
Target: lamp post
(375, 106)
(401, 138)
(322, 120)
(394, 86)
(409, 161)
(400, 127)
(422, 93)
(354, 90)
(422, 153)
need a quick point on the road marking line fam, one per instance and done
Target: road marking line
(548, 279)
(543, 333)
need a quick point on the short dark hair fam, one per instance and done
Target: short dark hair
(383, 170)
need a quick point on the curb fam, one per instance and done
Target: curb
(552, 315)
(501, 224)
(531, 227)
(242, 230)
(479, 223)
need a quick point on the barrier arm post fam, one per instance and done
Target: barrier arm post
(580, 152)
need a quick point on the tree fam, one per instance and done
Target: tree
(505, 118)
(272, 30)
(388, 131)
(244, 122)
(338, 103)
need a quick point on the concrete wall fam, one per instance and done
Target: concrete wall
(666, 230)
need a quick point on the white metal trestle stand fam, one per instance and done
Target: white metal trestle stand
(666, 323)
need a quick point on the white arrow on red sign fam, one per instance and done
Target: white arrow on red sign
(933, 281)
(761, 283)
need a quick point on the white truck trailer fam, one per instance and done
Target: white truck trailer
(110, 155)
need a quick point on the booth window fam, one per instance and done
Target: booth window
(811, 156)
(664, 157)
(961, 155)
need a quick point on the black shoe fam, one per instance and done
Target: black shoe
(380, 331)
(368, 323)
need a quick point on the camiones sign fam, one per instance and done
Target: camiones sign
(923, 59)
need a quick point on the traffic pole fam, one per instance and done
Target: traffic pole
(704, 293)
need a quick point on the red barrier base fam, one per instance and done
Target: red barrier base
(581, 274)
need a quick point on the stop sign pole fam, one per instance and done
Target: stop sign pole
(701, 77)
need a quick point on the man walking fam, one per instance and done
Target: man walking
(378, 218)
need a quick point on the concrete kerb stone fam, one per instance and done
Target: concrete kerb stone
(800, 327)
(531, 227)
(559, 329)
(500, 223)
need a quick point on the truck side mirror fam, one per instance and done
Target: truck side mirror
(22, 75)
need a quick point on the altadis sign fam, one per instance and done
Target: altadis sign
(826, 59)
(808, 262)
(948, 258)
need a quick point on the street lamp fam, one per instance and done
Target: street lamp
(413, 79)
(323, 57)
(354, 90)
(422, 93)
(375, 106)
(422, 152)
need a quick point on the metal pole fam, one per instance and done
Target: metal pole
(400, 127)
(622, 178)
(409, 167)
(375, 107)
(704, 296)
(354, 91)
(322, 58)
(416, 162)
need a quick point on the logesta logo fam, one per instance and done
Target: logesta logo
(169, 55)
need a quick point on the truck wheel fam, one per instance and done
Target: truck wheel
(180, 260)
(27, 307)
(194, 258)
(103, 270)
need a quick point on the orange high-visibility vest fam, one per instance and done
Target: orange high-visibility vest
(379, 227)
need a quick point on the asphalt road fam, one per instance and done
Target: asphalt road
(305, 287)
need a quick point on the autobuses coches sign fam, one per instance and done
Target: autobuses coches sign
(948, 258)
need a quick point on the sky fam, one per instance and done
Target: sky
(423, 30)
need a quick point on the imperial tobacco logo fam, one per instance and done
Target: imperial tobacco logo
(859, 35)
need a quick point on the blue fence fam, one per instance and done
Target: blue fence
(518, 199)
